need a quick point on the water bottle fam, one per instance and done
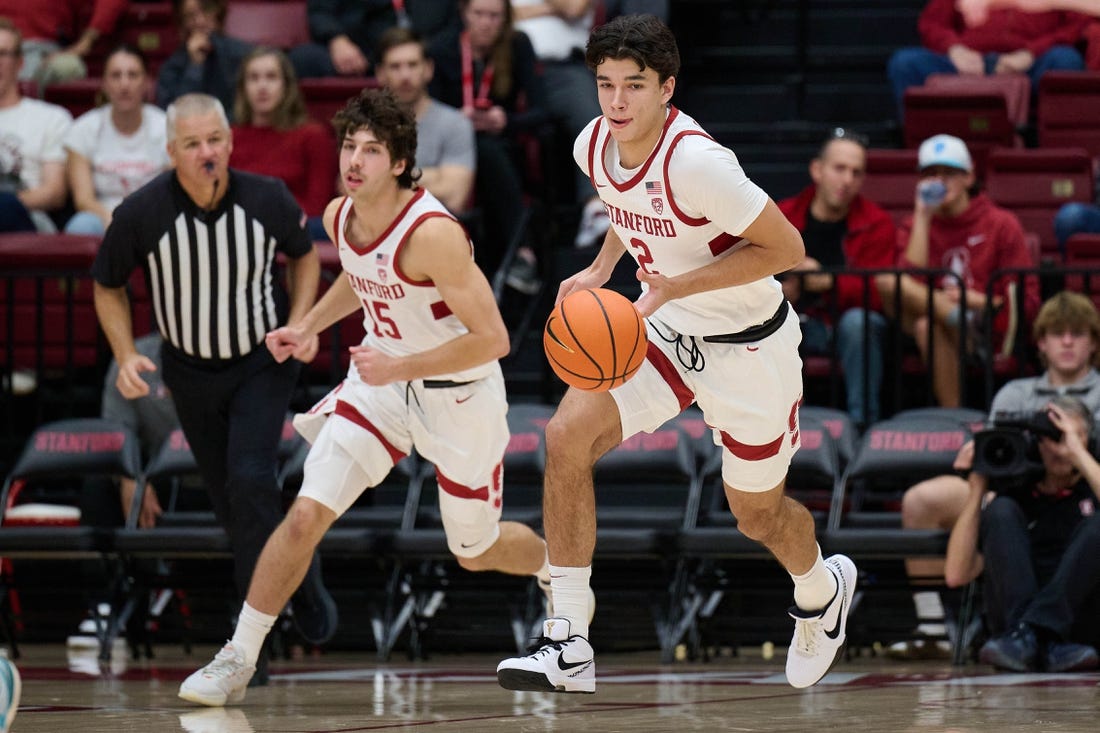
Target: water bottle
(932, 192)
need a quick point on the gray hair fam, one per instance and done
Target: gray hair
(192, 105)
(1073, 406)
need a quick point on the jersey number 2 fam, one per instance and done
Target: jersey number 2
(645, 259)
(384, 327)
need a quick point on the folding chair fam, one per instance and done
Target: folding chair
(57, 457)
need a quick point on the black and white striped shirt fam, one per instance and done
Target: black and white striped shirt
(210, 274)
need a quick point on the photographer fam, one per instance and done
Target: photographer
(1067, 336)
(1039, 547)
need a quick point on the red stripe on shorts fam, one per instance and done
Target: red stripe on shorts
(672, 377)
(747, 452)
(458, 490)
(346, 411)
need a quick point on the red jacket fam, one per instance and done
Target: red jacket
(941, 26)
(982, 239)
(52, 19)
(304, 157)
(870, 243)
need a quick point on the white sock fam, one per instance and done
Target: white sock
(543, 573)
(929, 607)
(252, 629)
(814, 589)
(571, 596)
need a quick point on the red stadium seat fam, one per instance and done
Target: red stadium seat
(80, 95)
(891, 180)
(268, 22)
(1016, 89)
(325, 96)
(1069, 110)
(1034, 184)
(148, 26)
(1083, 251)
(979, 118)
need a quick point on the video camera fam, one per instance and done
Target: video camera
(1009, 450)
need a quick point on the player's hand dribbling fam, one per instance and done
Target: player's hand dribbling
(583, 280)
(374, 367)
(129, 382)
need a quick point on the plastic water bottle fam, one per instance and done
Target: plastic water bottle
(932, 192)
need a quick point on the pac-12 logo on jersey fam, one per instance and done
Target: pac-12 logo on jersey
(658, 206)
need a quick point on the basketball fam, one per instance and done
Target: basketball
(595, 340)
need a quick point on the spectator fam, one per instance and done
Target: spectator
(207, 237)
(55, 39)
(485, 71)
(445, 149)
(1009, 42)
(1075, 218)
(842, 229)
(559, 30)
(274, 137)
(207, 60)
(1039, 548)
(976, 12)
(116, 148)
(1067, 335)
(32, 159)
(971, 238)
(346, 33)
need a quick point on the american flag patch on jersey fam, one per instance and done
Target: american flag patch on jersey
(382, 259)
(654, 188)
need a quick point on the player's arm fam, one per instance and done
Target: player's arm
(772, 245)
(438, 250)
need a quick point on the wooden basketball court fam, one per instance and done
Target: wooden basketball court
(353, 692)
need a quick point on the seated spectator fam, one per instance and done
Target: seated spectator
(32, 159)
(842, 228)
(115, 148)
(346, 33)
(1037, 548)
(559, 33)
(445, 149)
(971, 238)
(207, 60)
(485, 71)
(1010, 41)
(977, 12)
(1067, 335)
(56, 38)
(273, 135)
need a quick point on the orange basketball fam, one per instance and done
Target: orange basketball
(595, 339)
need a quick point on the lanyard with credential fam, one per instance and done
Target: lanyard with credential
(402, 15)
(482, 101)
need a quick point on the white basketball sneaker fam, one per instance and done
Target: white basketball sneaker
(559, 662)
(819, 635)
(222, 681)
(549, 592)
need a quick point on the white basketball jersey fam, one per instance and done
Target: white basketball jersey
(400, 316)
(680, 210)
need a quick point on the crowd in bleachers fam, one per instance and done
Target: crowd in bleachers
(1000, 106)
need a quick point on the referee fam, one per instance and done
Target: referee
(207, 238)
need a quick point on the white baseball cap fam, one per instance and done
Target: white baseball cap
(945, 150)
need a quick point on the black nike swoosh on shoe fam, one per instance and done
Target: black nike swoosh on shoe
(835, 632)
(565, 666)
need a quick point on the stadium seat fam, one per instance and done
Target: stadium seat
(278, 23)
(1034, 184)
(325, 96)
(891, 180)
(148, 26)
(1083, 257)
(979, 118)
(40, 498)
(1069, 108)
(1015, 88)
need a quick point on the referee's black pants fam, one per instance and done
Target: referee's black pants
(232, 414)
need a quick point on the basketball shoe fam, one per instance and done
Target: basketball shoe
(222, 681)
(11, 685)
(559, 662)
(819, 635)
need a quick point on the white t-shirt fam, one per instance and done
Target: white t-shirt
(121, 163)
(552, 36)
(31, 134)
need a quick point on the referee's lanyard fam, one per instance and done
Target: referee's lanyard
(468, 100)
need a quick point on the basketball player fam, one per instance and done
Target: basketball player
(425, 373)
(707, 242)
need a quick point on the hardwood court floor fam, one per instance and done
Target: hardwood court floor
(352, 692)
